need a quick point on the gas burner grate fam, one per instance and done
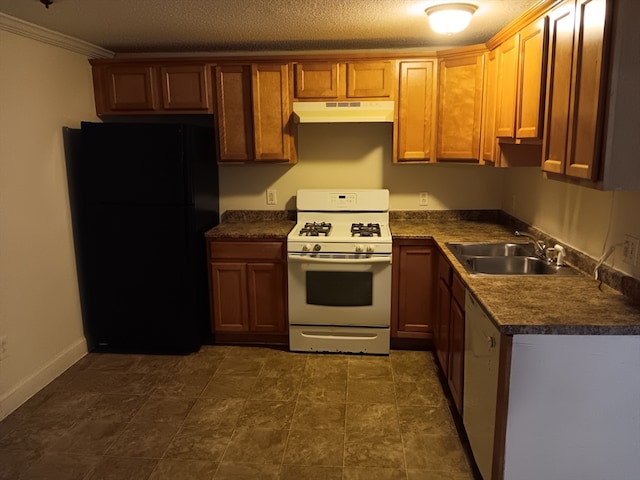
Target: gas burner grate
(368, 230)
(314, 229)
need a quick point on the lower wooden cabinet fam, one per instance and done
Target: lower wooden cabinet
(413, 289)
(449, 328)
(248, 290)
(455, 375)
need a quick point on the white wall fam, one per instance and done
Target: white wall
(359, 156)
(42, 89)
(586, 219)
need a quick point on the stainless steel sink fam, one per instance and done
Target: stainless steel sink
(515, 266)
(503, 258)
(489, 249)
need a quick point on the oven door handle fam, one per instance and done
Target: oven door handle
(367, 260)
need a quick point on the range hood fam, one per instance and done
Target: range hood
(343, 112)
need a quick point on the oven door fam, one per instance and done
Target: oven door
(334, 291)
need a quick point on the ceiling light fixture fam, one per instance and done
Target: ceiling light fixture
(46, 3)
(449, 18)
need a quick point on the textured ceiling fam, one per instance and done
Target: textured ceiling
(252, 25)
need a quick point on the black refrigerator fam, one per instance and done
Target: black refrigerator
(142, 197)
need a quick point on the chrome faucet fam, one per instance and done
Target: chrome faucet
(541, 248)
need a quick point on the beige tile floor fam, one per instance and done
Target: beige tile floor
(237, 413)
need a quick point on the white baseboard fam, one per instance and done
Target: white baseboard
(18, 395)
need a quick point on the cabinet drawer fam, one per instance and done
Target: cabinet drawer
(457, 290)
(246, 250)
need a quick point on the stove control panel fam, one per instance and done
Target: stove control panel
(343, 200)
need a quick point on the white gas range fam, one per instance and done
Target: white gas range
(339, 272)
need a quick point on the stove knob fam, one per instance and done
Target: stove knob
(359, 249)
(370, 249)
(317, 247)
(306, 247)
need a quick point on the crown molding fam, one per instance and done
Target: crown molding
(44, 35)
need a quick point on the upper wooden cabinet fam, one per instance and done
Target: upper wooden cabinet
(507, 58)
(338, 80)
(130, 89)
(316, 80)
(489, 144)
(369, 79)
(590, 133)
(234, 113)
(416, 125)
(575, 93)
(186, 87)
(521, 70)
(253, 113)
(460, 77)
(531, 80)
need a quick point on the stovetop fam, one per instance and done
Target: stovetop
(327, 229)
(341, 221)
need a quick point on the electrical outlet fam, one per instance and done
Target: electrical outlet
(3, 347)
(423, 199)
(272, 197)
(630, 250)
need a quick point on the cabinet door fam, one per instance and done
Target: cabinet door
(130, 89)
(414, 290)
(272, 112)
(234, 113)
(229, 297)
(443, 308)
(267, 297)
(369, 79)
(459, 107)
(489, 143)
(416, 111)
(186, 87)
(455, 374)
(316, 80)
(576, 74)
(508, 75)
(558, 94)
(586, 81)
(531, 80)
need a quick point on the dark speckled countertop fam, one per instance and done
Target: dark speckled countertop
(550, 305)
(254, 224)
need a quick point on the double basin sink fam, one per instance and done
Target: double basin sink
(503, 258)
